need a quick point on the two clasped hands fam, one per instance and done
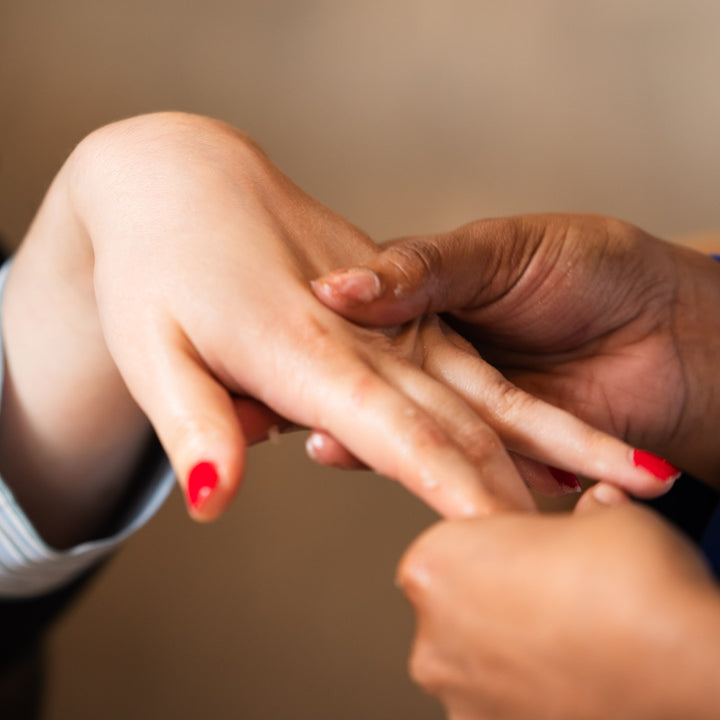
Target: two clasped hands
(210, 297)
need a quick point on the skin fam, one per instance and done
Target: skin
(164, 253)
(164, 284)
(604, 613)
(607, 612)
(590, 313)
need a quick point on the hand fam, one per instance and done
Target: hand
(168, 272)
(607, 613)
(588, 313)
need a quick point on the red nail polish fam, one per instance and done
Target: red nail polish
(565, 478)
(655, 465)
(202, 481)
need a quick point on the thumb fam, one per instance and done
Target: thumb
(472, 265)
(600, 497)
(197, 422)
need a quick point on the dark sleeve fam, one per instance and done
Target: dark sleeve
(22, 627)
(692, 506)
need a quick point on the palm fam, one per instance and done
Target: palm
(634, 392)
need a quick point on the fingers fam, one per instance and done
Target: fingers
(442, 554)
(477, 441)
(196, 421)
(383, 422)
(600, 497)
(324, 449)
(436, 273)
(538, 430)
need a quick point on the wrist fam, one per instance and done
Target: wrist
(696, 325)
(69, 432)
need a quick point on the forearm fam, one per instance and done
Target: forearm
(70, 434)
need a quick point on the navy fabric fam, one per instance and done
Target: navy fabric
(711, 542)
(689, 505)
(711, 538)
(693, 507)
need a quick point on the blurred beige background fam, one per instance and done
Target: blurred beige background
(405, 116)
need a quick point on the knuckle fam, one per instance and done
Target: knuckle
(188, 434)
(427, 669)
(424, 434)
(363, 387)
(310, 332)
(415, 258)
(413, 574)
(480, 442)
(419, 666)
(511, 403)
(421, 567)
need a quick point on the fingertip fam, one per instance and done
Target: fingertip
(367, 296)
(358, 285)
(324, 449)
(207, 448)
(601, 497)
(655, 466)
(197, 423)
(208, 455)
(567, 483)
(201, 485)
(650, 476)
(414, 570)
(211, 482)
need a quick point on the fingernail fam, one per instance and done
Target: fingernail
(358, 284)
(656, 466)
(313, 445)
(202, 480)
(566, 479)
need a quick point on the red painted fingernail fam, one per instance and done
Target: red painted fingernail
(565, 478)
(655, 465)
(202, 481)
